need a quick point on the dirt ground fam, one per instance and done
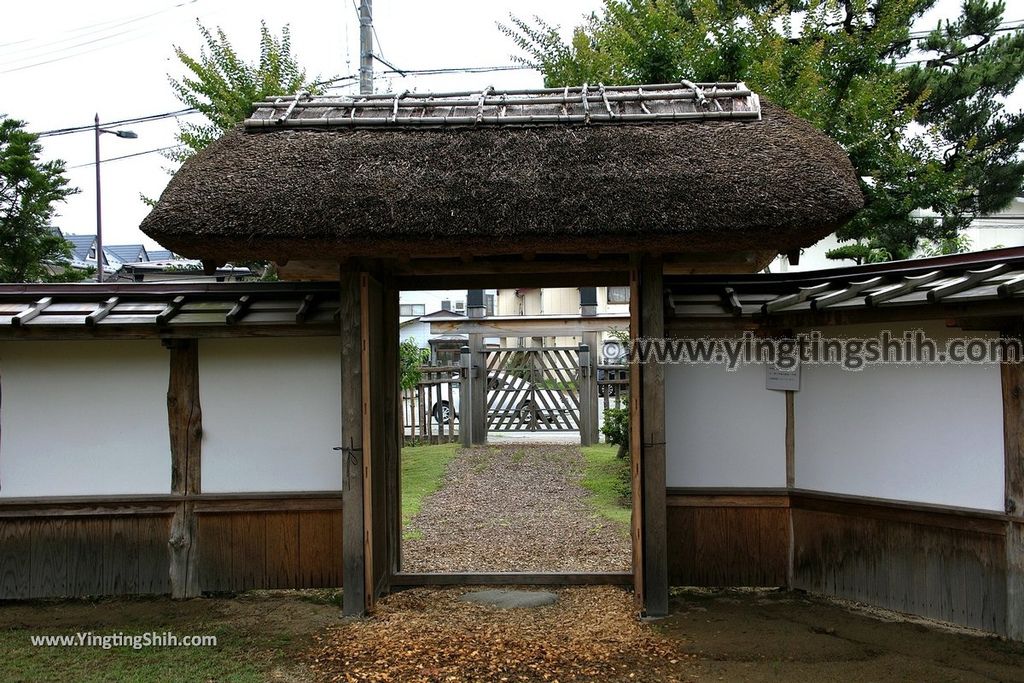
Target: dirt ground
(590, 634)
(514, 507)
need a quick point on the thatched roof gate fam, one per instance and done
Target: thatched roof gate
(550, 187)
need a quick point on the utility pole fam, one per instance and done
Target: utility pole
(365, 47)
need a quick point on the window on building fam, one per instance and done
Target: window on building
(618, 295)
(489, 303)
(460, 305)
(409, 310)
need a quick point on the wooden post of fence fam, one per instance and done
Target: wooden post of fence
(1012, 374)
(478, 378)
(584, 385)
(466, 398)
(593, 340)
(352, 536)
(186, 429)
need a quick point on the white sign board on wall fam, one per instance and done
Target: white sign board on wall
(779, 379)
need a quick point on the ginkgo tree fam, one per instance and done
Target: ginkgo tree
(920, 109)
(222, 86)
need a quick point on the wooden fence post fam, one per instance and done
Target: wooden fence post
(593, 340)
(1012, 376)
(479, 381)
(466, 398)
(584, 385)
(185, 424)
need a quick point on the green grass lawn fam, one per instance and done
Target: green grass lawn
(422, 472)
(259, 638)
(607, 479)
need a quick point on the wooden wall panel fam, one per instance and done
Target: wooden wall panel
(246, 549)
(154, 557)
(92, 549)
(15, 559)
(727, 541)
(215, 553)
(65, 556)
(944, 568)
(282, 529)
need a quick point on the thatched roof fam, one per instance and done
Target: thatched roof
(671, 168)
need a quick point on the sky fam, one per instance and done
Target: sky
(63, 61)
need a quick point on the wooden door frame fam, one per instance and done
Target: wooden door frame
(366, 451)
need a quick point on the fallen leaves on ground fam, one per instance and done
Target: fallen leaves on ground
(591, 634)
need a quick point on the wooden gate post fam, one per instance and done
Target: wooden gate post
(354, 560)
(1012, 375)
(584, 384)
(466, 398)
(647, 430)
(479, 380)
(593, 340)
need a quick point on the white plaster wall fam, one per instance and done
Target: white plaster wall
(84, 418)
(924, 433)
(271, 414)
(723, 429)
(418, 331)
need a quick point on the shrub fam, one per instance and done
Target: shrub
(616, 429)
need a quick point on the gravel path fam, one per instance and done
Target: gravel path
(514, 507)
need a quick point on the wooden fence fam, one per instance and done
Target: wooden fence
(612, 387)
(429, 410)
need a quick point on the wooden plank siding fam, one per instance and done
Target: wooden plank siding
(943, 564)
(287, 549)
(61, 556)
(122, 548)
(728, 540)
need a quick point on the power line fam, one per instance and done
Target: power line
(461, 69)
(1013, 25)
(71, 52)
(127, 156)
(337, 81)
(121, 122)
(99, 27)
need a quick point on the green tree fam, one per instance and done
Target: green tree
(223, 86)
(921, 115)
(411, 357)
(30, 250)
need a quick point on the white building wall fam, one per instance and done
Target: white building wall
(723, 428)
(84, 418)
(271, 414)
(930, 433)
(1002, 229)
(417, 330)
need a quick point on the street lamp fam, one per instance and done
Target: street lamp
(99, 211)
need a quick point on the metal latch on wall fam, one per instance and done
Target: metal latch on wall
(350, 459)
